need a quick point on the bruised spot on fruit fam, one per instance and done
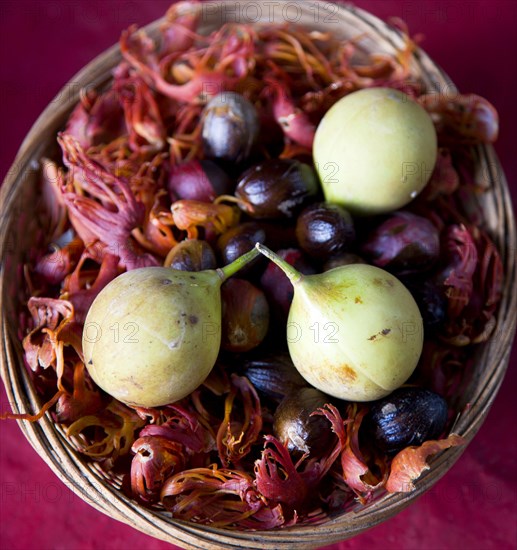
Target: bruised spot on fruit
(90, 362)
(166, 281)
(358, 300)
(193, 319)
(383, 282)
(383, 332)
(322, 378)
(348, 373)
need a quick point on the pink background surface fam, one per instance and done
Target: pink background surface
(43, 44)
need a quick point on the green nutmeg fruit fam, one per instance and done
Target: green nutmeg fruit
(374, 151)
(153, 334)
(354, 332)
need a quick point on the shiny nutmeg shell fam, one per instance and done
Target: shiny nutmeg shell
(272, 374)
(238, 240)
(407, 417)
(245, 315)
(296, 426)
(230, 127)
(276, 189)
(191, 255)
(325, 230)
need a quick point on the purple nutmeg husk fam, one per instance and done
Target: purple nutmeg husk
(200, 180)
(404, 243)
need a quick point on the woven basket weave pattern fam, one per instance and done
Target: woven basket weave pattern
(100, 488)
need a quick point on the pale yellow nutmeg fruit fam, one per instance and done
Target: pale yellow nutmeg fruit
(374, 151)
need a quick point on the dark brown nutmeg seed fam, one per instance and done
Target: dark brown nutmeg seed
(276, 188)
(408, 416)
(230, 127)
(191, 255)
(245, 315)
(295, 427)
(240, 239)
(324, 230)
(272, 374)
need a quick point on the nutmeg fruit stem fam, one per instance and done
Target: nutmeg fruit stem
(230, 269)
(294, 276)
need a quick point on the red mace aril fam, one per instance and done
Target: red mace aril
(200, 180)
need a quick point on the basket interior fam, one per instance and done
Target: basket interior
(101, 489)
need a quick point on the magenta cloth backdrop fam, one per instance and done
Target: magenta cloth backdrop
(43, 44)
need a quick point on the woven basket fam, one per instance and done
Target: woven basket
(19, 225)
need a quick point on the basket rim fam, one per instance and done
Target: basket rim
(18, 385)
